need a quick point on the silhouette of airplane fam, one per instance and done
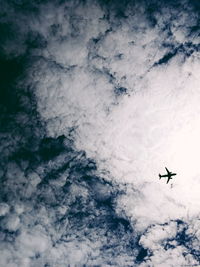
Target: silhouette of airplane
(168, 175)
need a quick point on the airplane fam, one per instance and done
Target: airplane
(168, 175)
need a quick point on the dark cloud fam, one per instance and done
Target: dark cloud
(59, 192)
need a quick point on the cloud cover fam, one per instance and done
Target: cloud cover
(103, 96)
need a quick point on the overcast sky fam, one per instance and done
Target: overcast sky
(97, 98)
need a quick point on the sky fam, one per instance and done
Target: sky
(96, 99)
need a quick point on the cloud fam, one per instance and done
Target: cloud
(97, 99)
(168, 244)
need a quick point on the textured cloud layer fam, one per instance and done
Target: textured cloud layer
(97, 98)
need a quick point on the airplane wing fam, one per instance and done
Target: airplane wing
(168, 180)
(167, 170)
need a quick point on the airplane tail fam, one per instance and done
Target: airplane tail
(160, 176)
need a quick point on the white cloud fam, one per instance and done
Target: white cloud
(165, 250)
(11, 222)
(4, 208)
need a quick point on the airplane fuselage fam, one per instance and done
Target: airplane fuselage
(168, 175)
